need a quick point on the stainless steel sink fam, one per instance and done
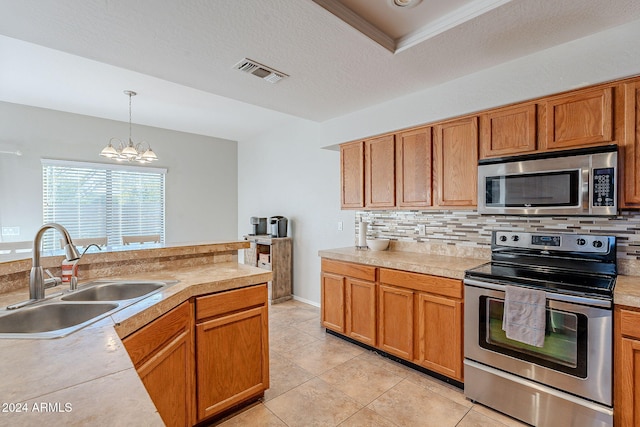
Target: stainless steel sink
(73, 310)
(39, 320)
(114, 291)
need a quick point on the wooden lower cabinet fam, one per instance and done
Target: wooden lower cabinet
(349, 299)
(197, 366)
(439, 335)
(417, 317)
(395, 327)
(162, 353)
(361, 310)
(232, 362)
(332, 313)
(626, 381)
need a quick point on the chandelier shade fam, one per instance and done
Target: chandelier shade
(129, 151)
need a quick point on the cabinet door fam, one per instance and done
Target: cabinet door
(455, 179)
(361, 311)
(333, 302)
(579, 119)
(163, 356)
(395, 321)
(630, 194)
(413, 168)
(352, 175)
(508, 131)
(379, 176)
(440, 335)
(626, 378)
(232, 360)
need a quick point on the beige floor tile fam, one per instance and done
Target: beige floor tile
(367, 418)
(284, 375)
(322, 355)
(497, 416)
(312, 327)
(293, 315)
(476, 419)
(361, 380)
(395, 368)
(314, 403)
(285, 338)
(440, 387)
(257, 415)
(408, 404)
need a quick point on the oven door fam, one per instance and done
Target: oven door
(575, 358)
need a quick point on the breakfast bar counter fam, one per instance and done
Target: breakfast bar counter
(87, 377)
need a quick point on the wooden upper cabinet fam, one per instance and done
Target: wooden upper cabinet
(413, 168)
(455, 152)
(508, 131)
(379, 175)
(352, 175)
(580, 119)
(630, 196)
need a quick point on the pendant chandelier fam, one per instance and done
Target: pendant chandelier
(129, 152)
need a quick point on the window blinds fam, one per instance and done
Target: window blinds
(100, 200)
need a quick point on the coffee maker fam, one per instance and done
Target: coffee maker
(258, 226)
(278, 226)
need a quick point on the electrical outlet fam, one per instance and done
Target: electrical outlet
(10, 231)
(422, 230)
(340, 226)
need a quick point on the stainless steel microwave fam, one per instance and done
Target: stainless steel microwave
(573, 182)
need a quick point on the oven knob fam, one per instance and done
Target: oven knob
(581, 242)
(515, 238)
(597, 243)
(503, 238)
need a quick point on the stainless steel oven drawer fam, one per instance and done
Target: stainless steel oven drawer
(529, 401)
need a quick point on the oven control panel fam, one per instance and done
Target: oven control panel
(557, 242)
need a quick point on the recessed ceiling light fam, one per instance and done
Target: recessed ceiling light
(405, 3)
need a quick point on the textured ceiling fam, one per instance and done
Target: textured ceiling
(188, 48)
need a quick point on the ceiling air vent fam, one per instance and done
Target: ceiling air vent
(266, 73)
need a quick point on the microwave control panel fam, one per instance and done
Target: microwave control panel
(603, 187)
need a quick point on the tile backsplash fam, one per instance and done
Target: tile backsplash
(468, 229)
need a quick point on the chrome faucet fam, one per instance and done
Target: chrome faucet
(37, 282)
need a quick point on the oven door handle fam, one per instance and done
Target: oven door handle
(550, 295)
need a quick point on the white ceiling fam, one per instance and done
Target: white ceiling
(79, 55)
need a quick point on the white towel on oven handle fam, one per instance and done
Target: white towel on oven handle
(524, 316)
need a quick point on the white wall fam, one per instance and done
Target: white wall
(201, 182)
(287, 173)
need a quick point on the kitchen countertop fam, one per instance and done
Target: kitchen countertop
(436, 265)
(87, 377)
(626, 292)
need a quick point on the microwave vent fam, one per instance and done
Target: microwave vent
(265, 73)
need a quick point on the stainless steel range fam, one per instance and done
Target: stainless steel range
(568, 380)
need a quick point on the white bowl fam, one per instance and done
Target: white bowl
(378, 244)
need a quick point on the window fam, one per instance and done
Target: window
(95, 200)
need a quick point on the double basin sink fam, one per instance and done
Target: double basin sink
(74, 310)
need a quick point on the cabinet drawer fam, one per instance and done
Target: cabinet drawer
(422, 282)
(630, 323)
(228, 302)
(357, 271)
(146, 341)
